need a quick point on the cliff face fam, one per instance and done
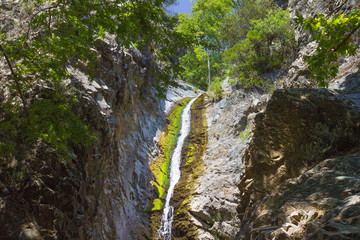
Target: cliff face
(106, 191)
(283, 180)
(126, 113)
(275, 167)
(216, 196)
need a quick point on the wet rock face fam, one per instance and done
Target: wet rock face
(216, 196)
(298, 129)
(191, 168)
(122, 106)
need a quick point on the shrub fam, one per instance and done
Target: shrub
(215, 91)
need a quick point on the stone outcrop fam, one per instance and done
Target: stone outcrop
(322, 203)
(298, 129)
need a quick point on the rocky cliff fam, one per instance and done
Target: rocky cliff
(216, 196)
(255, 166)
(283, 188)
(105, 192)
(298, 73)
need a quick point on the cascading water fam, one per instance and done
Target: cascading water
(167, 217)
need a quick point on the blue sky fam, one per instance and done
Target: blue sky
(182, 6)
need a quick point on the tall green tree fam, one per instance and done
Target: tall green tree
(202, 26)
(236, 25)
(267, 46)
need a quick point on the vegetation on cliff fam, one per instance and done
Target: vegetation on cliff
(334, 37)
(167, 143)
(55, 36)
(160, 167)
(241, 39)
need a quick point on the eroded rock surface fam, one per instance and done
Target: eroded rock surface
(322, 203)
(214, 203)
(298, 129)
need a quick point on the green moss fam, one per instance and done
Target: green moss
(167, 143)
(157, 205)
(160, 166)
(244, 135)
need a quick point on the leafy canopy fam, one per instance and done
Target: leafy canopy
(268, 45)
(64, 33)
(202, 26)
(243, 38)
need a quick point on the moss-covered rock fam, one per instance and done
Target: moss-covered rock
(160, 167)
(167, 143)
(192, 166)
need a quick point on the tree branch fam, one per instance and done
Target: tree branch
(346, 38)
(16, 77)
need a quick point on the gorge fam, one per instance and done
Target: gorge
(281, 163)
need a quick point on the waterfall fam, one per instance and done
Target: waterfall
(167, 217)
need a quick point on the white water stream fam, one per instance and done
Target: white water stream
(167, 217)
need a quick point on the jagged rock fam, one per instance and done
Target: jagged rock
(280, 199)
(105, 191)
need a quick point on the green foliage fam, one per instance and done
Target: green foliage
(244, 135)
(215, 91)
(195, 67)
(251, 36)
(236, 25)
(64, 33)
(202, 28)
(266, 46)
(49, 118)
(157, 205)
(334, 39)
(54, 122)
(205, 21)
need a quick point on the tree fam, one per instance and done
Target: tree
(236, 25)
(60, 34)
(202, 26)
(334, 39)
(268, 45)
